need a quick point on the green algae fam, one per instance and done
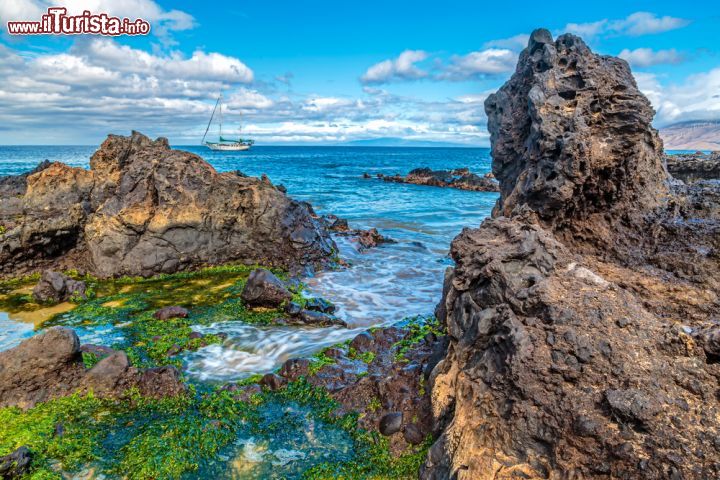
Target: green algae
(418, 328)
(372, 458)
(125, 306)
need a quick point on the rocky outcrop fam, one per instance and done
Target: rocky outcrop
(691, 167)
(50, 365)
(144, 208)
(581, 316)
(460, 178)
(55, 287)
(263, 289)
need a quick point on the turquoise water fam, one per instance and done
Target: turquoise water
(382, 285)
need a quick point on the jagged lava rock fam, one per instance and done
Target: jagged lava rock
(694, 166)
(144, 208)
(580, 316)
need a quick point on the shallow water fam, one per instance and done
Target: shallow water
(382, 286)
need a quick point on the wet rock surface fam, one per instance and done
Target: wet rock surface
(460, 178)
(692, 167)
(16, 464)
(263, 289)
(580, 316)
(173, 311)
(55, 287)
(144, 208)
(380, 375)
(49, 365)
(365, 239)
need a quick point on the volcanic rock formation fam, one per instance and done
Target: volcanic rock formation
(460, 178)
(694, 166)
(144, 208)
(583, 316)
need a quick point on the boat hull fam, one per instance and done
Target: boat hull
(228, 147)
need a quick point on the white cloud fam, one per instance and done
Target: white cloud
(697, 98)
(644, 23)
(491, 61)
(200, 66)
(516, 42)
(646, 57)
(586, 30)
(636, 24)
(99, 86)
(401, 68)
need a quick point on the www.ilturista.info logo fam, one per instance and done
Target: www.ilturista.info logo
(58, 22)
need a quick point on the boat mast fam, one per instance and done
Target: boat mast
(202, 142)
(220, 102)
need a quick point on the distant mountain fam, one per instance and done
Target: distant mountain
(692, 135)
(401, 142)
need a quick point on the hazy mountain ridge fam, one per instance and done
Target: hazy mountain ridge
(692, 135)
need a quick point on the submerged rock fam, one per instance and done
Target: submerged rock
(54, 287)
(263, 289)
(50, 365)
(174, 311)
(144, 208)
(460, 178)
(565, 356)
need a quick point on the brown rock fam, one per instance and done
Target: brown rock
(144, 208)
(295, 368)
(55, 287)
(49, 365)
(273, 381)
(167, 313)
(263, 289)
(390, 423)
(565, 358)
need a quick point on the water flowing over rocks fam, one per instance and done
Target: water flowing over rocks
(143, 208)
(460, 178)
(50, 365)
(583, 316)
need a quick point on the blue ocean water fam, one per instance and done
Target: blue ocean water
(382, 285)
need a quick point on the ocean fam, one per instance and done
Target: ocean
(382, 285)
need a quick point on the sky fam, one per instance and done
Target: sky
(318, 72)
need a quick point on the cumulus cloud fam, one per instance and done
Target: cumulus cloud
(401, 68)
(636, 24)
(697, 98)
(99, 86)
(491, 61)
(516, 42)
(646, 57)
(105, 86)
(107, 53)
(644, 23)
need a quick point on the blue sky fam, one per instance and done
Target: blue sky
(320, 72)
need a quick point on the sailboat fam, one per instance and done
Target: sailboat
(225, 144)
